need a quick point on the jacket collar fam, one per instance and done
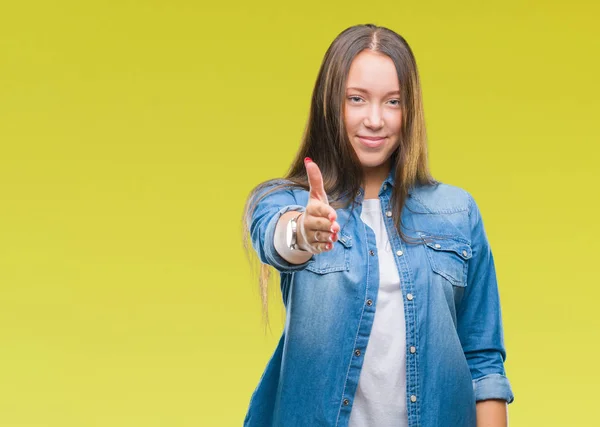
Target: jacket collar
(386, 187)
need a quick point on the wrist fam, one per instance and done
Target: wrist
(294, 236)
(300, 242)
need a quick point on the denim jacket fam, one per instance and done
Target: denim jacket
(454, 339)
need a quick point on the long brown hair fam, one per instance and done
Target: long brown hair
(325, 139)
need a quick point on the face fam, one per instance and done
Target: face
(372, 109)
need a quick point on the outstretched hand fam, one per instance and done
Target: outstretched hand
(317, 226)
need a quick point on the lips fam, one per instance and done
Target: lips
(371, 141)
(372, 138)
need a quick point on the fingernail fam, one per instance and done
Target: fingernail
(329, 246)
(307, 159)
(330, 239)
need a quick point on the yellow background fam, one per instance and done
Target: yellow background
(132, 131)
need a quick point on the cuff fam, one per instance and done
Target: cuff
(493, 386)
(272, 256)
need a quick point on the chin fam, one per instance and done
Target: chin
(372, 161)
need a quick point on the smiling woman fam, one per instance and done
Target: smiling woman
(373, 115)
(392, 306)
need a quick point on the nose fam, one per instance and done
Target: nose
(374, 120)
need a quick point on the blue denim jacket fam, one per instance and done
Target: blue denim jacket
(454, 340)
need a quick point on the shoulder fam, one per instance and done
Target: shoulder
(442, 198)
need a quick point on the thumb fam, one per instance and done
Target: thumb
(315, 181)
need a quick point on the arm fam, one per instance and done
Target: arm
(290, 255)
(267, 226)
(479, 324)
(273, 213)
(492, 413)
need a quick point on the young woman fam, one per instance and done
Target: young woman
(392, 308)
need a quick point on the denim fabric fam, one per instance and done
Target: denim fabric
(454, 339)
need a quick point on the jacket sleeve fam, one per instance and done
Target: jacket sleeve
(479, 319)
(262, 228)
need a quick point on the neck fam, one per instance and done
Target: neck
(373, 178)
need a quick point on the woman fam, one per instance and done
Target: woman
(392, 307)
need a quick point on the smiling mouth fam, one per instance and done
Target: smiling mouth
(372, 138)
(371, 142)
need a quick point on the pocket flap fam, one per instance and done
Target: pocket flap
(462, 249)
(345, 239)
(448, 256)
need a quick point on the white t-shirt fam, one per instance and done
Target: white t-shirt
(380, 398)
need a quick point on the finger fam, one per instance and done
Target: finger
(315, 181)
(327, 247)
(320, 209)
(314, 223)
(321, 247)
(319, 236)
(315, 217)
(335, 227)
(316, 233)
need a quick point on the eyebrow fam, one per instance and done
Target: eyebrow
(366, 91)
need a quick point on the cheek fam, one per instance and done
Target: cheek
(394, 122)
(352, 121)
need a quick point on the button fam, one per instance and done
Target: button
(399, 253)
(409, 297)
(357, 352)
(371, 252)
(369, 302)
(413, 349)
(388, 213)
(413, 398)
(465, 253)
(385, 186)
(437, 246)
(346, 401)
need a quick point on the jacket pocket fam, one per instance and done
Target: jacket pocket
(448, 257)
(336, 259)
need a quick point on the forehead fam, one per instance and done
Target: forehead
(373, 71)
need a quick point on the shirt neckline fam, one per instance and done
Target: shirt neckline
(371, 205)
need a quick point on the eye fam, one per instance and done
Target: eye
(351, 98)
(397, 102)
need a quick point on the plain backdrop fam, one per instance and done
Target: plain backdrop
(132, 131)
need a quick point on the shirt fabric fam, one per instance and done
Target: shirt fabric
(380, 398)
(452, 316)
